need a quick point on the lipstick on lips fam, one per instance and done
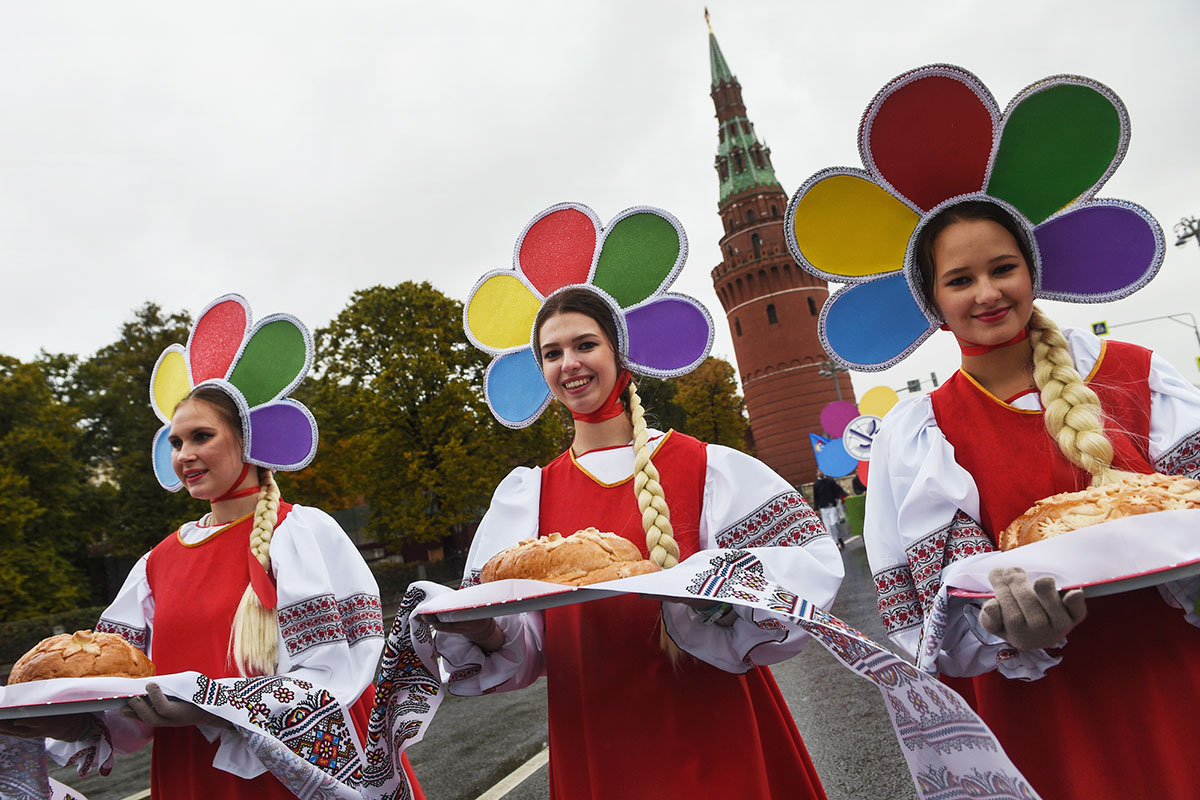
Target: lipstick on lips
(993, 316)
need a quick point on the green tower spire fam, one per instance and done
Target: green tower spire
(742, 161)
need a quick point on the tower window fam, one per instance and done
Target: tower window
(737, 162)
(774, 211)
(737, 326)
(756, 240)
(729, 251)
(812, 307)
(750, 215)
(772, 317)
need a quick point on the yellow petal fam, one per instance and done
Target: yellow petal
(500, 313)
(170, 383)
(849, 226)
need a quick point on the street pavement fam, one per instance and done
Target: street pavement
(476, 741)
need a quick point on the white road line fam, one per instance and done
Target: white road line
(142, 795)
(515, 778)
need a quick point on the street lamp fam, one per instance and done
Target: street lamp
(1187, 228)
(830, 369)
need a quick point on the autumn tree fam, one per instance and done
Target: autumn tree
(716, 413)
(399, 393)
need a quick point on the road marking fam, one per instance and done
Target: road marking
(142, 795)
(513, 779)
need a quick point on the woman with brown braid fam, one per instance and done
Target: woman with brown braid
(634, 682)
(1069, 687)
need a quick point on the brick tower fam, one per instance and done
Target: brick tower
(770, 303)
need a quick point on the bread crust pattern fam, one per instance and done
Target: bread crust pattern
(1069, 511)
(585, 557)
(83, 654)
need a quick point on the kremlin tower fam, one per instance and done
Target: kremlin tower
(771, 304)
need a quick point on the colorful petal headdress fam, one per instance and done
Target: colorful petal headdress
(629, 264)
(258, 366)
(935, 137)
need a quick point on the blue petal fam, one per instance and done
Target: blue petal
(871, 326)
(832, 458)
(516, 391)
(161, 452)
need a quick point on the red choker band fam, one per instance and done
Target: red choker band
(612, 406)
(972, 349)
(232, 493)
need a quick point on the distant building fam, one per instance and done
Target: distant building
(771, 304)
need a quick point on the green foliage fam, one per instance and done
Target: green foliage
(658, 399)
(43, 495)
(400, 393)
(112, 392)
(18, 637)
(716, 413)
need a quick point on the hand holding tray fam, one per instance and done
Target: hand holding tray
(1118, 556)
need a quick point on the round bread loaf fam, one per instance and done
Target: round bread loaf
(82, 654)
(585, 557)
(1069, 511)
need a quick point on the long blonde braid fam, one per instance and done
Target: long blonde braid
(656, 516)
(1073, 415)
(253, 641)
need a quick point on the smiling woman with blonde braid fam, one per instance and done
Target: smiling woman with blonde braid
(255, 587)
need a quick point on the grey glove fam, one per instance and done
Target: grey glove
(1030, 617)
(160, 711)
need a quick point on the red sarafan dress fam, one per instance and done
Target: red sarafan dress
(1117, 718)
(180, 601)
(624, 723)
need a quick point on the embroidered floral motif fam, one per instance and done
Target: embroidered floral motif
(471, 578)
(312, 725)
(732, 574)
(928, 556)
(1183, 458)
(135, 636)
(898, 606)
(941, 783)
(311, 622)
(783, 521)
(405, 692)
(322, 619)
(362, 617)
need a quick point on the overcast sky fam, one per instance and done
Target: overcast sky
(295, 152)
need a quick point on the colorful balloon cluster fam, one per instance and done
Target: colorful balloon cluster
(846, 446)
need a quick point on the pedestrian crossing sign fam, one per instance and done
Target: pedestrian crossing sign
(1100, 328)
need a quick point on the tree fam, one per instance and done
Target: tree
(112, 391)
(399, 391)
(43, 496)
(715, 411)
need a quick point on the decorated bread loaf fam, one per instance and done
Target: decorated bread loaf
(1069, 511)
(82, 654)
(585, 557)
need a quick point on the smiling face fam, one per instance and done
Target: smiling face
(982, 283)
(206, 452)
(578, 361)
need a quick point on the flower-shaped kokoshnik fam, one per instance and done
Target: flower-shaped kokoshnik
(934, 137)
(628, 264)
(257, 365)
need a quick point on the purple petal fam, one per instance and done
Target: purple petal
(283, 435)
(669, 336)
(1100, 252)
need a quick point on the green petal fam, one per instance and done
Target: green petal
(1056, 145)
(640, 255)
(273, 362)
